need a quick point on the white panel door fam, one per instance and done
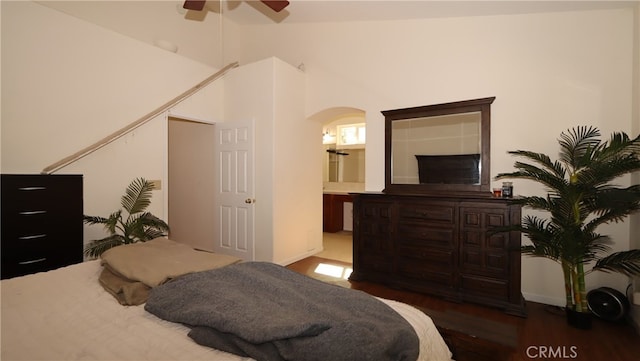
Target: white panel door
(235, 192)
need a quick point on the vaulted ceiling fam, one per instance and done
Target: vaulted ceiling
(302, 11)
(196, 33)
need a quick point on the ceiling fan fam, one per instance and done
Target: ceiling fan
(198, 5)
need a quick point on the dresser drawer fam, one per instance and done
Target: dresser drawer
(492, 264)
(439, 213)
(477, 217)
(45, 225)
(430, 257)
(426, 236)
(40, 209)
(29, 193)
(475, 285)
(37, 240)
(373, 210)
(26, 261)
(422, 271)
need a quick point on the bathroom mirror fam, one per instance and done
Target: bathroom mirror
(343, 165)
(439, 149)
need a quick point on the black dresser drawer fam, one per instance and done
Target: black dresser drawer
(25, 261)
(41, 222)
(49, 226)
(37, 193)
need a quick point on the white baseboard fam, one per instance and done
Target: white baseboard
(299, 257)
(561, 302)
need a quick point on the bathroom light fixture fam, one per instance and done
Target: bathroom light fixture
(327, 138)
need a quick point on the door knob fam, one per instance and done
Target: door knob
(249, 200)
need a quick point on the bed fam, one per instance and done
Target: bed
(66, 314)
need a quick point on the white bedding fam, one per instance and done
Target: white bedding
(66, 315)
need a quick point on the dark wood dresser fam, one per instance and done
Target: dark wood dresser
(439, 246)
(41, 223)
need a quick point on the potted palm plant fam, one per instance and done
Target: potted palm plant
(138, 226)
(580, 197)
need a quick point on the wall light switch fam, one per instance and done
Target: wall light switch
(157, 184)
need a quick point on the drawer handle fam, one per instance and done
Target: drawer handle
(32, 188)
(30, 213)
(35, 236)
(33, 261)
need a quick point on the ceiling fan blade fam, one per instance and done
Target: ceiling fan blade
(276, 5)
(196, 5)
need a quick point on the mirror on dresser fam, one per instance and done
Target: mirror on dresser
(441, 148)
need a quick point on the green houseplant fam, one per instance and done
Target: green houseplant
(580, 198)
(138, 226)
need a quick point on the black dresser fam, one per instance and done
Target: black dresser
(41, 223)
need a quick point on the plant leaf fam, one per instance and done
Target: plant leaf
(96, 247)
(625, 262)
(94, 220)
(145, 226)
(138, 196)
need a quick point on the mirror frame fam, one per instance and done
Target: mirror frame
(482, 105)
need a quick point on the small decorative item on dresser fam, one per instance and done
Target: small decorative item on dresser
(507, 189)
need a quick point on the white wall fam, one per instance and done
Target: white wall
(195, 34)
(288, 207)
(549, 72)
(297, 187)
(67, 83)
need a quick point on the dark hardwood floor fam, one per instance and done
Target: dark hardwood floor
(482, 333)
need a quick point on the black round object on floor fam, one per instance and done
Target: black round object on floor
(607, 303)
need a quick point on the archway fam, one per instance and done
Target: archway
(343, 163)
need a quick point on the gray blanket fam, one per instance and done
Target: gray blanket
(268, 312)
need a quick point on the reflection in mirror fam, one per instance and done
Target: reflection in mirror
(443, 149)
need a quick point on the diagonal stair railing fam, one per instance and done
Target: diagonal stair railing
(144, 119)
